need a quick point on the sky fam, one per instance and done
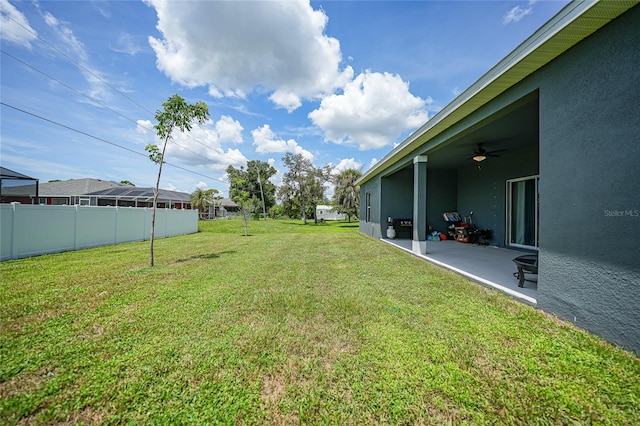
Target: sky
(340, 82)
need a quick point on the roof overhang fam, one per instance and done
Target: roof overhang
(576, 21)
(13, 175)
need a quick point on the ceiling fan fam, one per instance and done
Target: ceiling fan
(481, 154)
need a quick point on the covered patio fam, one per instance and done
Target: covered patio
(488, 265)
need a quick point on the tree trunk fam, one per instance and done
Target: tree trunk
(155, 204)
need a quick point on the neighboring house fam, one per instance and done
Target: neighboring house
(226, 207)
(325, 212)
(96, 192)
(563, 113)
(223, 208)
(73, 191)
(16, 187)
(132, 196)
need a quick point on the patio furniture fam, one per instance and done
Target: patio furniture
(526, 264)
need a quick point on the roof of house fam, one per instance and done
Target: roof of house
(227, 202)
(10, 174)
(573, 23)
(76, 187)
(107, 189)
(127, 192)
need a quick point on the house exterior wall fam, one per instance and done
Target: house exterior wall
(587, 160)
(442, 196)
(370, 227)
(590, 180)
(397, 195)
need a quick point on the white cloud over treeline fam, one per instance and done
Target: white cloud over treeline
(280, 49)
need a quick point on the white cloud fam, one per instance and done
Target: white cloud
(14, 26)
(267, 142)
(72, 47)
(372, 163)
(229, 129)
(127, 44)
(347, 163)
(202, 146)
(236, 47)
(144, 127)
(516, 13)
(286, 99)
(372, 112)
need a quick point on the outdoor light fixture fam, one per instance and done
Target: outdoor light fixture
(479, 157)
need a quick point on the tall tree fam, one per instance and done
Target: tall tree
(256, 180)
(240, 193)
(347, 193)
(176, 114)
(303, 185)
(202, 199)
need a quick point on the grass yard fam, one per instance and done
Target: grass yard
(293, 324)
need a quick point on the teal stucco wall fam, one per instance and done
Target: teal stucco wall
(590, 183)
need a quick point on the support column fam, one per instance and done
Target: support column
(419, 243)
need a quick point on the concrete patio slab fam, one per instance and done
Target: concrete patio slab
(487, 265)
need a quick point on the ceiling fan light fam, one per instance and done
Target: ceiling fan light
(479, 157)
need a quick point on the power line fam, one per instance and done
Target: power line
(98, 102)
(77, 64)
(106, 84)
(104, 140)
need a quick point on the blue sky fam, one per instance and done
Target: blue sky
(340, 82)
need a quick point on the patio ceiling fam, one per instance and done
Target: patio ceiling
(511, 130)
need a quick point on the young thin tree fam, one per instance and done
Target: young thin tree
(240, 193)
(177, 114)
(347, 193)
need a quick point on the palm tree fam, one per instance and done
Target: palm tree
(347, 193)
(201, 199)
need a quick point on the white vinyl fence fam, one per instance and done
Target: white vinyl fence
(30, 230)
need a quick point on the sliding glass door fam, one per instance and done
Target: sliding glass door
(523, 212)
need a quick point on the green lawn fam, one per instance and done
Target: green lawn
(293, 324)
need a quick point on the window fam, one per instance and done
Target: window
(60, 201)
(368, 213)
(523, 207)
